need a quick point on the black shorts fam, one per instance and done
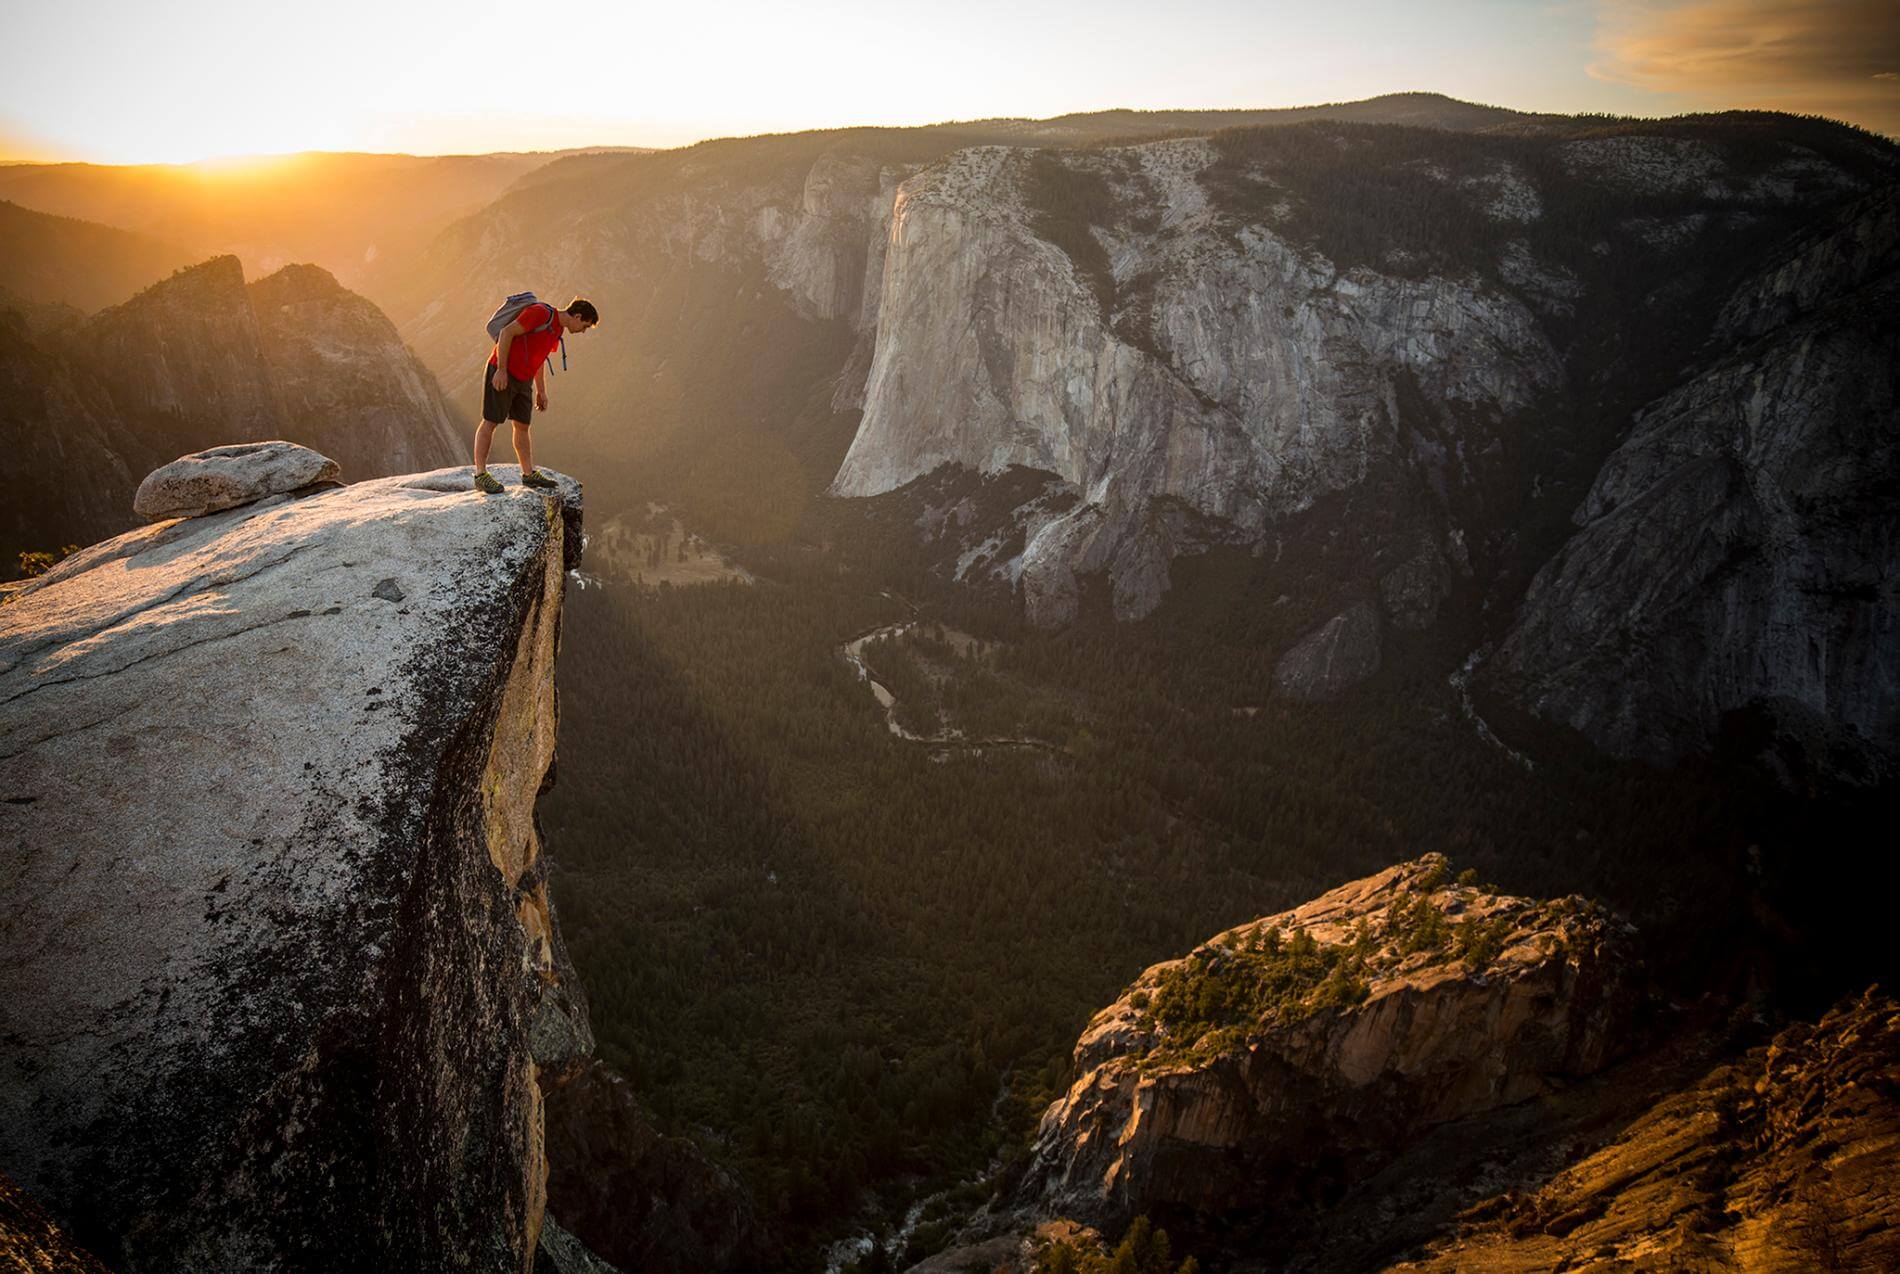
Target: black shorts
(513, 403)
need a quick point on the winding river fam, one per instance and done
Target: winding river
(853, 652)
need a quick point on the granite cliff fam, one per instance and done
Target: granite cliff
(1190, 378)
(1203, 337)
(1734, 557)
(285, 988)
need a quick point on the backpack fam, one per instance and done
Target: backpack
(510, 309)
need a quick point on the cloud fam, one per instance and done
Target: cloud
(1829, 57)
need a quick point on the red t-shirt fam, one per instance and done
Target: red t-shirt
(531, 348)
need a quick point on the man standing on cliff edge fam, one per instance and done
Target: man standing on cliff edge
(520, 356)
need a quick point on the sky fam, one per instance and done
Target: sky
(132, 81)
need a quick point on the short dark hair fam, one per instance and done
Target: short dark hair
(582, 308)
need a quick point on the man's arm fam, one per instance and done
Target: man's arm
(541, 386)
(508, 335)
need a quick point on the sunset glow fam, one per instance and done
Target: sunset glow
(118, 82)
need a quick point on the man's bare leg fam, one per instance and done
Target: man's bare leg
(524, 450)
(484, 435)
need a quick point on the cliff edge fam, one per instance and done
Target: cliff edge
(285, 986)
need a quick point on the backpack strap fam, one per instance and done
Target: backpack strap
(554, 321)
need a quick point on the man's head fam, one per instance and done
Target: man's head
(579, 315)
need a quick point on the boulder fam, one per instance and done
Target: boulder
(280, 948)
(1284, 1059)
(226, 477)
(1340, 653)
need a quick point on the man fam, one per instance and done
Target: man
(521, 357)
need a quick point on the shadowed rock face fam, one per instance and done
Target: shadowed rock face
(641, 1200)
(1737, 550)
(1194, 1101)
(182, 361)
(281, 953)
(1787, 1158)
(69, 463)
(1340, 653)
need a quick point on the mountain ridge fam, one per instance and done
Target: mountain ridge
(193, 358)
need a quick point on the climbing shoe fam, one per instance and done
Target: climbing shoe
(535, 478)
(486, 484)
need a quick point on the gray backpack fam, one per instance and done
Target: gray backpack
(509, 310)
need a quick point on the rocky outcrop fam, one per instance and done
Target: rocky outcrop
(1340, 653)
(32, 1242)
(281, 951)
(642, 1201)
(1283, 1060)
(1787, 1158)
(345, 381)
(1736, 551)
(226, 477)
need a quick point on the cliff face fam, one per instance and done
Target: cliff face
(70, 463)
(1203, 363)
(1284, 1060)
(285, 987)
(1736, 551)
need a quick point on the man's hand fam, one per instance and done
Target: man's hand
(500, 380)
(540, 400)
